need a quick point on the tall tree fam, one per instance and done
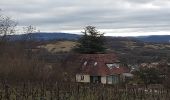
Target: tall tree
(7, 26)
(28, 31)
(91, 42)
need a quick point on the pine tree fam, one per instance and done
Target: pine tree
(91, 42)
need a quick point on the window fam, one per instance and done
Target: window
(112, 65)
(82, 77)
(117, 65)
(95, 63)
(95, 79)
(85, 63)
(109, 80)
(113, 79)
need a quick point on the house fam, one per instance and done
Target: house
(101, 68)
(149, 65)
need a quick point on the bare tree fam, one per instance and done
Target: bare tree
(29, 30)
(7, 26)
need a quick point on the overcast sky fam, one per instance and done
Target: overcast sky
(114, 17)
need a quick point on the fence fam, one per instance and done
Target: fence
(76, 91)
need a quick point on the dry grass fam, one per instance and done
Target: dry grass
(132, 45)
(157, 46)
(60, 46)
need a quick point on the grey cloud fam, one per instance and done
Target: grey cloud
(75, 14)
(140, 1)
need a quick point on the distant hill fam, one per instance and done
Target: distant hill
(67, 36)
(155, 38)
(45, 36)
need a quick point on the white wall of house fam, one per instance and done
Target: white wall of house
(82, 78)
(113, 79)
(103, 80)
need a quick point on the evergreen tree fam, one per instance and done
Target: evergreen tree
(91, 42)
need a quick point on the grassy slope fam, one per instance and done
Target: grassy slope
(60, 46)
(126, 48)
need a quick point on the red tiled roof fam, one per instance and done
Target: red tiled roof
(100, 68)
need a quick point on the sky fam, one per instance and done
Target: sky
(113, 17)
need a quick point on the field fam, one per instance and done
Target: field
(60, 46)
(76, 91)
